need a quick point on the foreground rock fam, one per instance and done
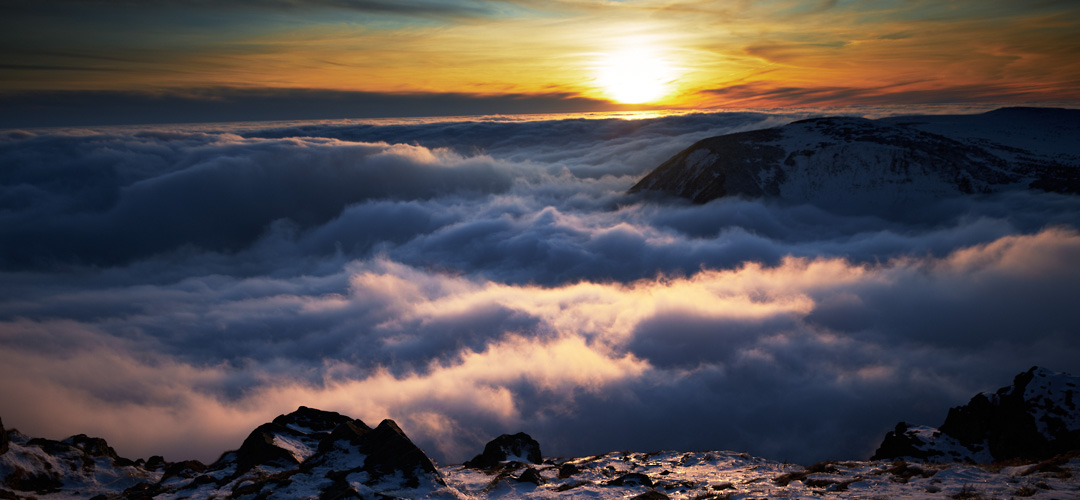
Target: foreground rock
(878, 166)
(1035, 418)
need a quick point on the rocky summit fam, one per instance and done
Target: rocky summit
(878, 166)
(315, 454)
(517, 447)
(308, 453)
(1035, 418)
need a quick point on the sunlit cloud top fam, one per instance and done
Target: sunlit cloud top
(689, 54)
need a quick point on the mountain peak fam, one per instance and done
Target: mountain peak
(877, 166)
(1034, 418)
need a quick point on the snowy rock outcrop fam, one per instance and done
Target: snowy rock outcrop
(31, 467)
(1036, 417)
(313, 454)
(518, 447)
(306, 454)
(316, 455)
(289, 439)
(856, 164)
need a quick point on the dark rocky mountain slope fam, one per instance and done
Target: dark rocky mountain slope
(1035, 418)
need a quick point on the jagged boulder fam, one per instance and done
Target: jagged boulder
(517, 447)
(531, 475)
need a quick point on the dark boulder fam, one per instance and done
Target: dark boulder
(566, 470)
(518, 447)
(632, 479)
(531, 475)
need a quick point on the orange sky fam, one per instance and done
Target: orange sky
(688, 54)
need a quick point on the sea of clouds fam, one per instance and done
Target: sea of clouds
(170, 288)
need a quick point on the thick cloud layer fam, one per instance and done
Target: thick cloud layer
(171, 288)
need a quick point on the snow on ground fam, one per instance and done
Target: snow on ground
(75, 473)
(729, 475)
(721, 475)
(299, 450)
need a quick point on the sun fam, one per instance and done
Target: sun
(635, 75)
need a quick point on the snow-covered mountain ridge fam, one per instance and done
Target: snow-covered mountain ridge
(1035, 417)
(881, 165)
(314, 454)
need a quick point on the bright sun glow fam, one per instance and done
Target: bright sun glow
(635, 75)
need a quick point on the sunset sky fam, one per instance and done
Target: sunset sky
(439, 56)
(173, 282)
